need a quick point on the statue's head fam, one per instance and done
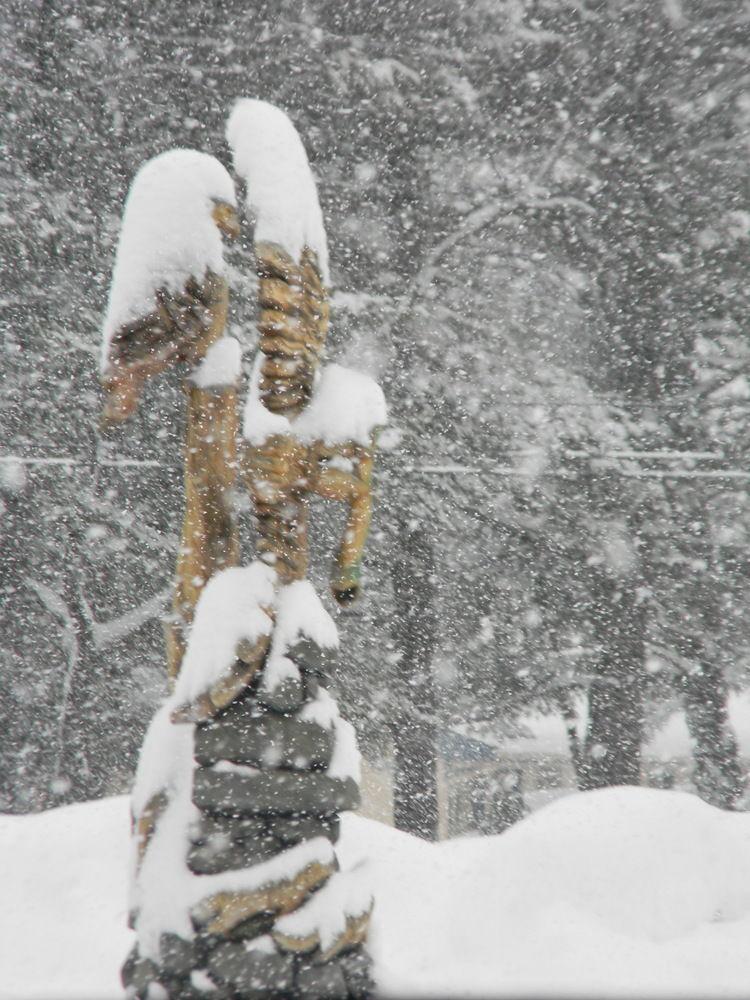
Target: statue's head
(167, 284)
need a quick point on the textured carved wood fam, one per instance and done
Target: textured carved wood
(293, 324)
(250, 658)
(209, 541)
(353, 488)
(282, 472)
(181, 328)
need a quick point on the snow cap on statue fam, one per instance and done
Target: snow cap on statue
(281, 193)
(168, 234)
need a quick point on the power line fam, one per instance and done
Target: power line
(447, 469)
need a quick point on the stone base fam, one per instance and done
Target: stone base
(228, 971)
(262, 787)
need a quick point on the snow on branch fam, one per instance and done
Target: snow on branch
(281, 192)
(168, 233)
(57, 606)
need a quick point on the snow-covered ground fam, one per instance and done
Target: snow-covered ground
(622, 892)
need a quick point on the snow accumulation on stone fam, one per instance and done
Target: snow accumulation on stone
(230, 609)
(161, 890)
(321, 710)
(161, 764)
(168, 234)
(220, 367)
(281, 193)
(346, 406)
(346, 759)
(345, 894)
(299, 614)
(279, 868)
(624, 892)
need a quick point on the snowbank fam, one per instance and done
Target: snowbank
(281, 193)
(623, 892)
(167, 235)
(63, 922)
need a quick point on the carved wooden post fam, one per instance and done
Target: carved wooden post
(209, 540)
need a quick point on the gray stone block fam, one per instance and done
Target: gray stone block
(177, 955)
(255, 974)
(285, 697)
(237, 829)
(293, 829)
(268, 741)
(137, 974)
(273, 792)
(322, 982)
(219, 853)
(357, 968)
(312, 658)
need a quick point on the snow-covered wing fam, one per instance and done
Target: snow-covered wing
(168, 235)
(281, 192)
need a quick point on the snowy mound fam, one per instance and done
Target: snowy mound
(167, 235)
(620, 893)
(346, 406)
(281, 193)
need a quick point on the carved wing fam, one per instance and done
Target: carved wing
(181, 327)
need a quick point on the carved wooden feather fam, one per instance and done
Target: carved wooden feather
(181, 327)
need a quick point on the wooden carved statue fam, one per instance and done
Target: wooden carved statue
(248, 763)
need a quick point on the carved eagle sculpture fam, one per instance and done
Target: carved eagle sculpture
(309, 428)
(168, 298)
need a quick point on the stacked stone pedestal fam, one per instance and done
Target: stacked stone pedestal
(262, 788)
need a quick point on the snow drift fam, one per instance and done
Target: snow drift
(618, 893)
